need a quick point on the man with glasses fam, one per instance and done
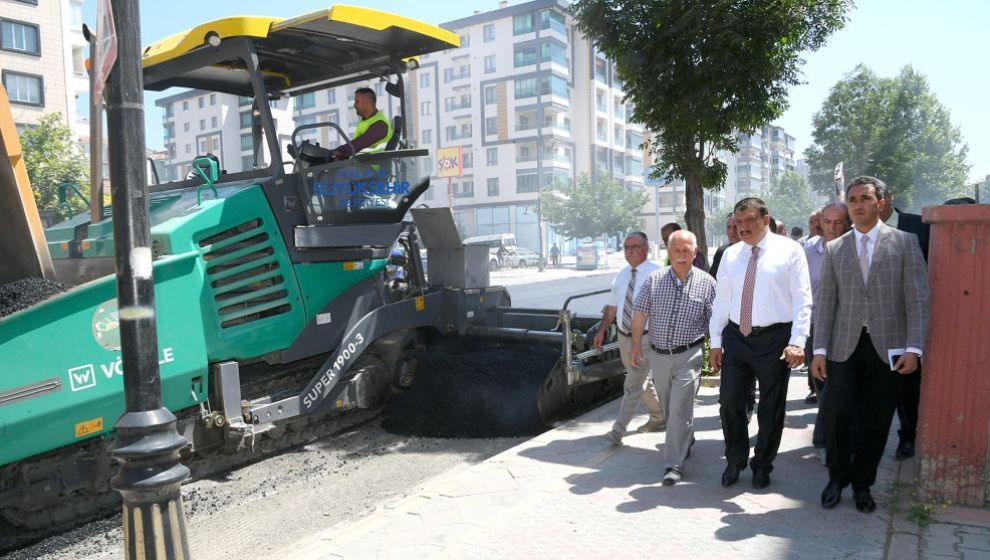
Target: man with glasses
(638, 385)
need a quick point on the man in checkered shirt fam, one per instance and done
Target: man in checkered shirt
(677, 301)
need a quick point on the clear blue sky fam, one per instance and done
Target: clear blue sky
(945, 40)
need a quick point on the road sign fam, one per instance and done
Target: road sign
(106, 46)
(449, 162)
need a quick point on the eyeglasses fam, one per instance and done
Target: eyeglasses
(632, 247)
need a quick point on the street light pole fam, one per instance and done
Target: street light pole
(147, 445)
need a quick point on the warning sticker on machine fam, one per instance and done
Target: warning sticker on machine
(89, 427)
(354, 265)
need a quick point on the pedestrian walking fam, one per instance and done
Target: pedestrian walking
(638, 386)
(835, 223)
(870, 328)
(760, 321)
(677, 303)
(555, 256)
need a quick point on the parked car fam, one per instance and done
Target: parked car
(527, 257)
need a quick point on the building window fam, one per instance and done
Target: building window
(202, 123)
(379, 89)
(24, 88)
(246, 142)
(425, 108)
(185, 105)
(188, 148)
(306, 100)
(526, 183)
(493, 220)
(245, 120)
(213, 122)
(20, 37)
(467, 159)
(424, 79)
(464, 190)
(242, 101)
(493, 186)
(544, 85)
(522, 23)
(247, 163)
(489, 64)
(550, 19)
(202, 102)
(331, 95)
(489, 32)
(465, 41)
(185, 127)
(492, 157)
(490, 95)
(451, 133)
(213, 99)
(169, 131)
(428, 136)
(491, 125)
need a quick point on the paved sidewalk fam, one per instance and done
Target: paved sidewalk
(568, 494)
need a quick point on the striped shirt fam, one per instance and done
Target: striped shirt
(678, 312)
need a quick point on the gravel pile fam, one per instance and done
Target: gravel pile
(473, 390)
(27, 292)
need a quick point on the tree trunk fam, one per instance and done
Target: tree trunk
(694, 215)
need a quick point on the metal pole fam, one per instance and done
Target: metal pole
(95, 133)
(147, 443)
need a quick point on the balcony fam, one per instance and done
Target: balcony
(547, 124)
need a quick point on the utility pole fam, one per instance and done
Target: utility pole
(147, 445)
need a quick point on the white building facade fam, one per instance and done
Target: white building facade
(42, 62)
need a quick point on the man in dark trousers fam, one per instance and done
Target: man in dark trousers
(760, 321)
(871, 313)
(910, 395)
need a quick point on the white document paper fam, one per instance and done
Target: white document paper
(893, 354)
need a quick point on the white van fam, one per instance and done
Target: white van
(495, 242)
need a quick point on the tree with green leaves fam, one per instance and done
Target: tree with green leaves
(891, 128)
(698, 72)
(593, 206)
(788, 200)
(53, 158)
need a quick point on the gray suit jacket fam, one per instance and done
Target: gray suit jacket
(894, 302)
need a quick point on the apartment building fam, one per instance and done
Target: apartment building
(530, 102)
(41, 62)
(198, 122)
(763, 156)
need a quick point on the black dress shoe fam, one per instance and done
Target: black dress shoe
(864, 501)
(761, 478)
(831, 495)
(905, 450)
(812, 398)
(730, 475)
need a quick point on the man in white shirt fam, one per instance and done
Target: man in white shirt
(760, 322)
(835, 223)
(870, 320)
(638, 385)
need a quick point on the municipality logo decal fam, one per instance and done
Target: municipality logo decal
(82, 377)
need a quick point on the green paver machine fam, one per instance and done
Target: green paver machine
(286, 292)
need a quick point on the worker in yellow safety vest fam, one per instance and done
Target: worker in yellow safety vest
(373, 132)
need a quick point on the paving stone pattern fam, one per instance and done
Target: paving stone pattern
(568, 494)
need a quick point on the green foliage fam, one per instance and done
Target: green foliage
(788, 200)
(590, 208)
(891, 128)
(52, 158)
(698, 72)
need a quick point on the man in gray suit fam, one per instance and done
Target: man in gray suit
(871, 315)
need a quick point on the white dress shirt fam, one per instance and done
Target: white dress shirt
(782, 293)
(621, 283)
(871, 248)
(871, 244)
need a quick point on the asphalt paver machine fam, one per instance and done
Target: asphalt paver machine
(287, 292)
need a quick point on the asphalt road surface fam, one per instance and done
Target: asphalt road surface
(551, 294)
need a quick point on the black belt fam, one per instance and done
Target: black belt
(761, 330)
(627, 335)
(679, 349)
